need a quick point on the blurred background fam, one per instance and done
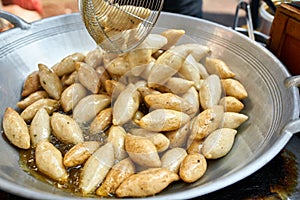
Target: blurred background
(219, 11)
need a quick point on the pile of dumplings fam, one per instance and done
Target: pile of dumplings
(160, 111)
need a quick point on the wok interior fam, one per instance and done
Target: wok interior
(269, 105)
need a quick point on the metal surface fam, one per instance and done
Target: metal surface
(246, 7)
(252, 34)
(272, 108)
(119, 25)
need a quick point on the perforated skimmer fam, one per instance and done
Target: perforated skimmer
(118, 26)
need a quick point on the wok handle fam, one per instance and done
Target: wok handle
(15, 20)
(294, 126)
(245, 6)
(293, 81)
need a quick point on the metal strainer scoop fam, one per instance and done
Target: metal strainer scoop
(118, 26)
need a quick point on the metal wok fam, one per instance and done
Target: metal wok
(272, 105)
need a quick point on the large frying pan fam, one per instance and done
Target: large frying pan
(272, 105)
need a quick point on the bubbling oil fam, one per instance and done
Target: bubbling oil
(28, 164)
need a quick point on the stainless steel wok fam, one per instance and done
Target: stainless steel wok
(272, 105)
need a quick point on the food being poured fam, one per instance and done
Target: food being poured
(119, 25)
(111, 123)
